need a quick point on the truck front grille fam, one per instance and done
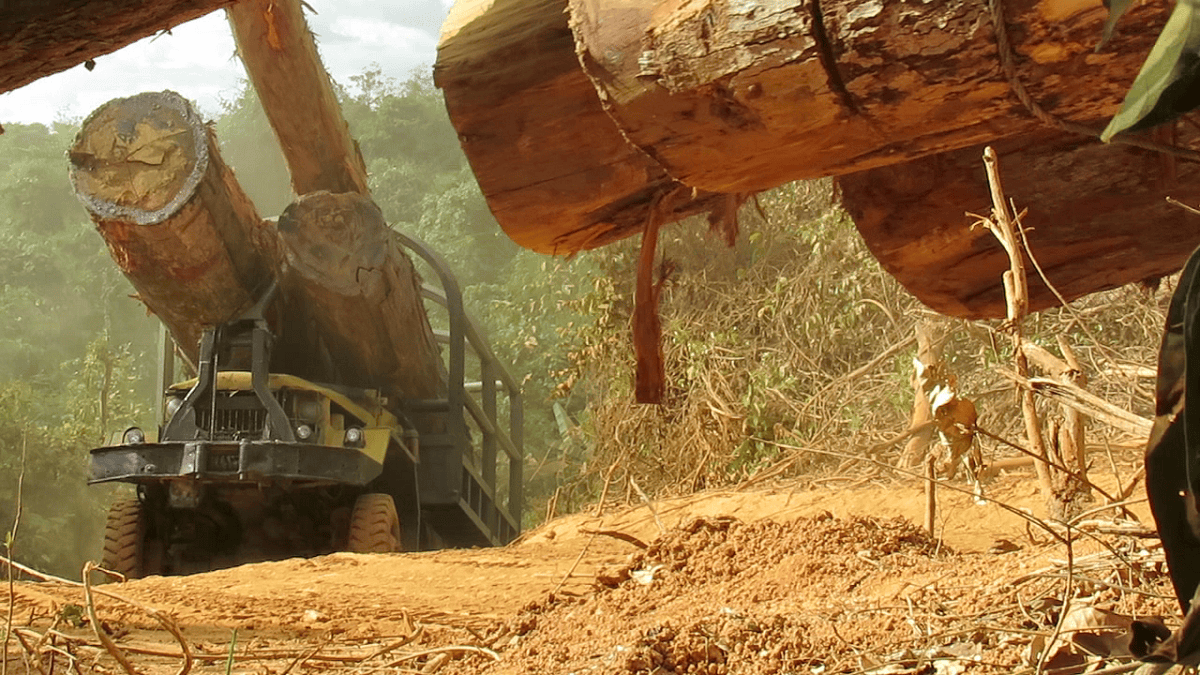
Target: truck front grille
(237, 417)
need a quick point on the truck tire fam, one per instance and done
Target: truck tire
(374, 525)
(124, 538)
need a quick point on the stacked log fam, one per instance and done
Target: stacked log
(174, 217)
(192, 244)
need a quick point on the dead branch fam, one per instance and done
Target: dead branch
(1016, 294)
(1089, 404)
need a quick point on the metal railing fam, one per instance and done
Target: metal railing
(479, 400)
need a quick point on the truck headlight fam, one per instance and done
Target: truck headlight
(304, 432)
(133, 436)
(355, 437)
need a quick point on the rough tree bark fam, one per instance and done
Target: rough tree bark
(557, 174)
(348, 291)
(731, 97)
(736, 97)
(1097, 218)
(281, 59)
(173, 216)
(43, 37)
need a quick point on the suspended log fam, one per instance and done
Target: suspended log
(175, 220)
(557, 174)
(351, 294)
(281, 59)
(45, 37)
(1097, 217)
(733, 97)
(736, 97)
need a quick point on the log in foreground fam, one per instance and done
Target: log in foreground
(175, 220)
(48, 36)
(733, 97)
(1097, 218)
(557, 174)
(738, 97)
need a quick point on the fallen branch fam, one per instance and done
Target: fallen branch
(1083, 401)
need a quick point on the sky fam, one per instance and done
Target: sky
(197, 59)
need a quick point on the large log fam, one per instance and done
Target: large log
(1097, 218)
(734, 97)
(281, 59)
(352, 299)
(351, 294)
(174, 218)
(557, 174)
(47, 36)
(181, 229)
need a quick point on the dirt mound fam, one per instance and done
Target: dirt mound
(720, 595)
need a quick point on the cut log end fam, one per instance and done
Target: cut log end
(139, 159)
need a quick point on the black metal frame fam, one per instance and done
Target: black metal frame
(241, 461)
(182, 426)
(475, 493)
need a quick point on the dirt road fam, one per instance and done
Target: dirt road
(770, 581)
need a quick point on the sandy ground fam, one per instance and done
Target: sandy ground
(779, 580)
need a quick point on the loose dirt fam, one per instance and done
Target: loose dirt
(768, 581)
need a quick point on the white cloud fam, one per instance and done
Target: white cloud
(196, 59)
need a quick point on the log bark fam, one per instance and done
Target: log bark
(557, 173)
(1097, 218)
(739, 97)
(183, 232)
(174, 218)
(732, 98)
(352, 298)
(281, 59)
(43, 37)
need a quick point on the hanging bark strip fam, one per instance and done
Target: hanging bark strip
(650, 378)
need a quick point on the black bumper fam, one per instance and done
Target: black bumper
(232, 461)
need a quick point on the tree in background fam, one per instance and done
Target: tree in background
(73, 364)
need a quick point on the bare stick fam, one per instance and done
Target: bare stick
(31, 651)
(582, 552)
(109, 645)
(12, 540)
(604, 491)
(930, 494)
(616, 534)
(646, 500)
(451, 649)
(1016, 294)
(1086, 402)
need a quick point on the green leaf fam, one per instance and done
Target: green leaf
(1180, 36)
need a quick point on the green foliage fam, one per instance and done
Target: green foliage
(1168, 75)
(72, 365)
